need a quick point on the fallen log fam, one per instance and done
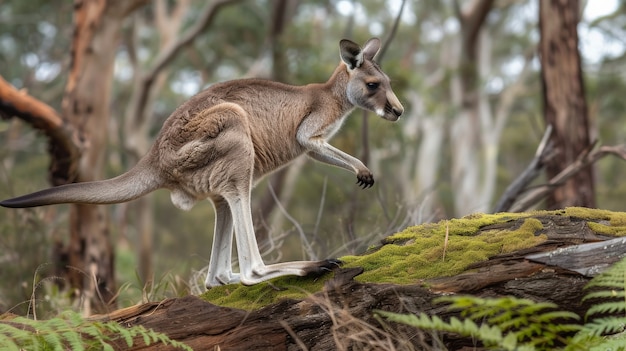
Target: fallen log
(543, 256)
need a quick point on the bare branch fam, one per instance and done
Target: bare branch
(64, 147)
(531, 172)
(305, 242)
(168, 53)
(587, 158)
(392, 33)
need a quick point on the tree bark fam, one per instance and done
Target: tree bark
(90, 255)
(565, 107)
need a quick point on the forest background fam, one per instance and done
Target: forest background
(424, 167)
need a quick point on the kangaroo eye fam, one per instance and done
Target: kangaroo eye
(372, 85)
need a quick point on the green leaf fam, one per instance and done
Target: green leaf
(74, 340)
(607, 307)
(605, 325)
(509, 342)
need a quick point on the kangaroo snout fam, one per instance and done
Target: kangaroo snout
(393, 111)
(393, 107)
(397, 111)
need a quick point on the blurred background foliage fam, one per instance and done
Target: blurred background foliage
(320, 205)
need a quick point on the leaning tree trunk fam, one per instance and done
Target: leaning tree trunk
(90, 255)
(564, 98)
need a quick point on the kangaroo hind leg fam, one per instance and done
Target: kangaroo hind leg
(220, 265)
(251, 266)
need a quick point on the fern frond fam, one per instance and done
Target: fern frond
(74, 340)
(54, 341)
(614, 277)
(605, 325)
(610, 344)
(604, 294)
(70, 331)
(550, 317)
(612, 307)
(127, 335)
(491, 336)
(506, 323)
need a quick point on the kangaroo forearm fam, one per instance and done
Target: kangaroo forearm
(341, 160)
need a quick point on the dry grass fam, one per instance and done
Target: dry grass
(351, 332)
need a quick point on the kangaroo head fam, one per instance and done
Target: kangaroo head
(368, 86)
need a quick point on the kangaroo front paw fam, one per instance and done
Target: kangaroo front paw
(365, 179)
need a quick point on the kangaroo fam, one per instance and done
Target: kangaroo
(222, 141)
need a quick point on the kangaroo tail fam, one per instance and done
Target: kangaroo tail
(135, 183)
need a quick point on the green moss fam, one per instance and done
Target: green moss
(421, 252)
(605, 229)
(614, 218)
(260, 295)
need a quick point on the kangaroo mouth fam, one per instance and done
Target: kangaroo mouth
(391, 113)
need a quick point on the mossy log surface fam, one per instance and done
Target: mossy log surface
(544, 256)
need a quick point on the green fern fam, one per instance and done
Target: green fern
(71, 331)
(608, 315)
(519, 324)
(506, 323)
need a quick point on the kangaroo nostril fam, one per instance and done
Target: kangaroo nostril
(398, 111)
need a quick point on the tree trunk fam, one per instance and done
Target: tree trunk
(90, 254)
(565, 107)
(466, 129)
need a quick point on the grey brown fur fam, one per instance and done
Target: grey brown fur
(223, 140)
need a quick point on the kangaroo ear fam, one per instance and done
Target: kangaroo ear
(350, 53)
(370, 49)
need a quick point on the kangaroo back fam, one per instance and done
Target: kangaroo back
(135, 183)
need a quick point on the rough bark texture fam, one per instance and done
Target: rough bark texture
(85, 105)
(77, 138)
(341, 316)
(564, 100)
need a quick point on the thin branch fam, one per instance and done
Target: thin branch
(531, 172)
(585, 159)
(307, 246)
(168, 53)
(392, 33)
(320, 210)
